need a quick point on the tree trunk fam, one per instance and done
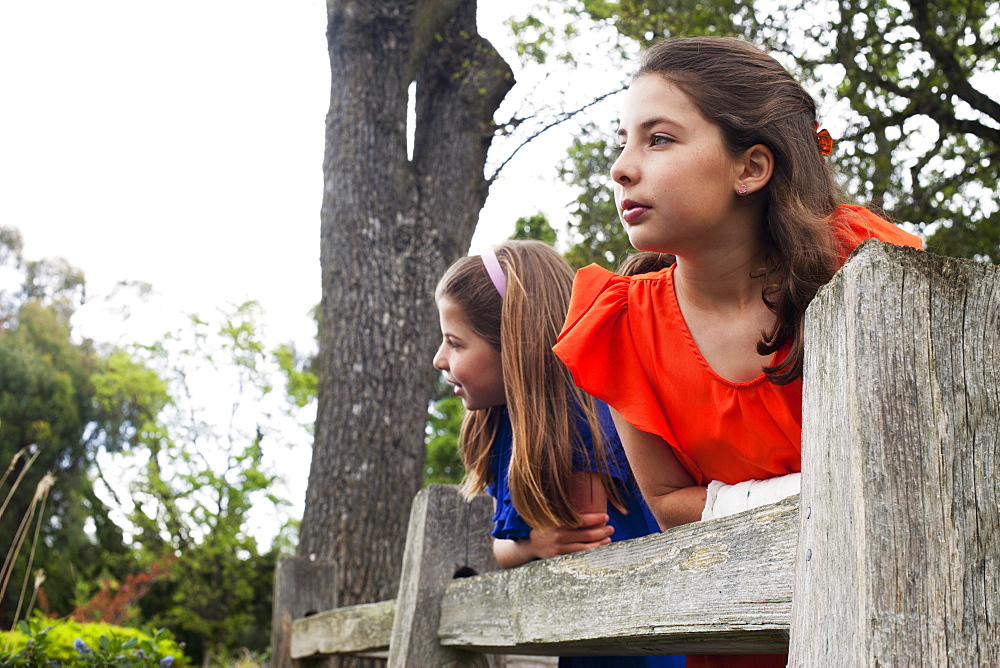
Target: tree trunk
(390, 226)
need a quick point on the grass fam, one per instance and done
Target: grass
(30, 524)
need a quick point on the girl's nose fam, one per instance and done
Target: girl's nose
(439, 360)
(623, 169)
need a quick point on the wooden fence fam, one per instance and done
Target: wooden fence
(888, 557)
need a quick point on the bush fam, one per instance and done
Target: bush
(43, 642)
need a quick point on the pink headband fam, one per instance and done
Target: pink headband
(496, 273)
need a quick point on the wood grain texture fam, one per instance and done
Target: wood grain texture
(302, 586)
(448, 537)
(722, 586)
(901, 432)
(355, 629)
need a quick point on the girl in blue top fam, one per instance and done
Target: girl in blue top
(546, 451)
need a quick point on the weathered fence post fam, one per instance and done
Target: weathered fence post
(899, 525)
(448, 537)
(302, 586)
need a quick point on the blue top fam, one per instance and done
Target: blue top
(638, 521)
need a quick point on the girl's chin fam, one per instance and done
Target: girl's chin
(475, 406)
(641, 242)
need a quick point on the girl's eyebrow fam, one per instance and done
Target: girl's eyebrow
(650, 123)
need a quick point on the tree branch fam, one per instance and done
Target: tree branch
(958, 79)
(565, 116)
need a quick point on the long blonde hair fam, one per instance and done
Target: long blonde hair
(544, 404)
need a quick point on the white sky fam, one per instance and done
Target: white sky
(180, 144)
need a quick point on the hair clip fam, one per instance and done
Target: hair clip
(824, 142)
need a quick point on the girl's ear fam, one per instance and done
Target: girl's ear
(754, 169)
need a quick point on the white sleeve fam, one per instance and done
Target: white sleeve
(722, 499)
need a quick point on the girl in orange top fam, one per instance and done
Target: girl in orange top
(721, 165)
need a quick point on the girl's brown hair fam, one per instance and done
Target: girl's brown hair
(645, 262)
(544, 404)
(754, 100)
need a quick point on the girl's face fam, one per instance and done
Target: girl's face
(468, 361)
(675, 182)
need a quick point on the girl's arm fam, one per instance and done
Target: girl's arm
(667, 487)
(590, 502)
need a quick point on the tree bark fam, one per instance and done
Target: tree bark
(390, 226)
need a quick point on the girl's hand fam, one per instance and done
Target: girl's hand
(551, 542)
(593, 531)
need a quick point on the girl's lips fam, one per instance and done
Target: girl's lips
(632, 212)
(458, 386)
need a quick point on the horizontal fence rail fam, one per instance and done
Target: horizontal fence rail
(723, 586)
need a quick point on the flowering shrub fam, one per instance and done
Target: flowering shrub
(47, 643)
(116, 602)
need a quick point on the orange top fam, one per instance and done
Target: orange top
(625, 342)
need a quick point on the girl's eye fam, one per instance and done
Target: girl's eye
(659, 140)
(617, 149)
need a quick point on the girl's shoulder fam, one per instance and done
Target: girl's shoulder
(599, 293)
(606, 315)
(853, 225)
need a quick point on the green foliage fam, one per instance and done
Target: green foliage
(547, 32)
(57, 399)
(39, 400)
(924, 136)
(47, 404)
(645, 21)
(42, 642)
(28, 645)
(11, 247)
(50, 282)
(444, 421)
(192, 484)
(597, 235)
(301, 383)
(535, 227)
(128, 397)
(55, 282)
(219, 598)
(193, 495)
(534, 39)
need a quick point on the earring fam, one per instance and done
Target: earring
(742, 189)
